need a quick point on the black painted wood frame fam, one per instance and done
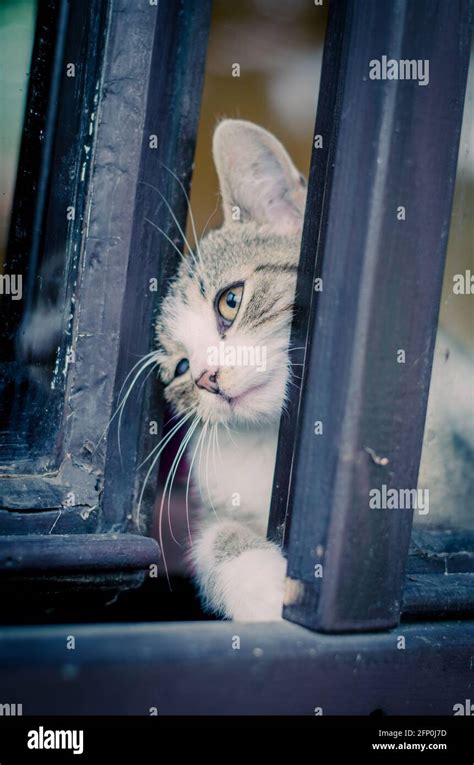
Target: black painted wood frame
(376, 228)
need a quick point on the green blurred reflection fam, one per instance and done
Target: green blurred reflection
(17, 23)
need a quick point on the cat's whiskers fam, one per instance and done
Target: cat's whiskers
(205, 430)
(177, 459)
(147, 378)
(152, 223)
(205, 426)
(214, 431)
(291, 381)
(178, 414)
(210, 217)
(217, 442)
(168, 436)
(172, 474)
(158, 449)
(207, 474)
(190, 210)
(176, 221)
(140, 361)
(229, 431)
(201, 437)
(292, 375)
(150, 362)
(121, 403)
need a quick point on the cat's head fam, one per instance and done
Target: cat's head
(223, 329)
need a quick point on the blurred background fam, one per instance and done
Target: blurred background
(278, 47)
(17, 26)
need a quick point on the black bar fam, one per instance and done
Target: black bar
(390, 143)
(319, 186)
(76, 552)
(173, 95)
(215, 668)
(401, 739)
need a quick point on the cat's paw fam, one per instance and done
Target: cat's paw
(253, 584)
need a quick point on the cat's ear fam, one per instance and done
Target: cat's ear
(258, 180)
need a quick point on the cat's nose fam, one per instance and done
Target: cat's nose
(208, 381)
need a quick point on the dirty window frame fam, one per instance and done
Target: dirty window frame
(91, 490)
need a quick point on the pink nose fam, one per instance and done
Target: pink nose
(208, 381)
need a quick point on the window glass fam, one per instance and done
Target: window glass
(17, 21)
(40, 222)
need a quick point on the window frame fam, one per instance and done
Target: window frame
(102, 479)
(279, 669)
(52, 178)
(135, 93)
(350, 241)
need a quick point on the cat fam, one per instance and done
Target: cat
(235, 294)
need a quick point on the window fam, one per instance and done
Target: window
(80, 242)
(113, 103)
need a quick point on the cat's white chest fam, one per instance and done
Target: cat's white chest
(234, 473)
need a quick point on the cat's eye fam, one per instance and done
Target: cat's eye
(228, 303)
(181, 368)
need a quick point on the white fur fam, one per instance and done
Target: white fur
(238, 463)
(240, 575)
(252, 585)
(248, 586)
(235, 479)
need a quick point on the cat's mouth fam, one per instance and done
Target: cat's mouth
(236, 400)
(244, 401)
